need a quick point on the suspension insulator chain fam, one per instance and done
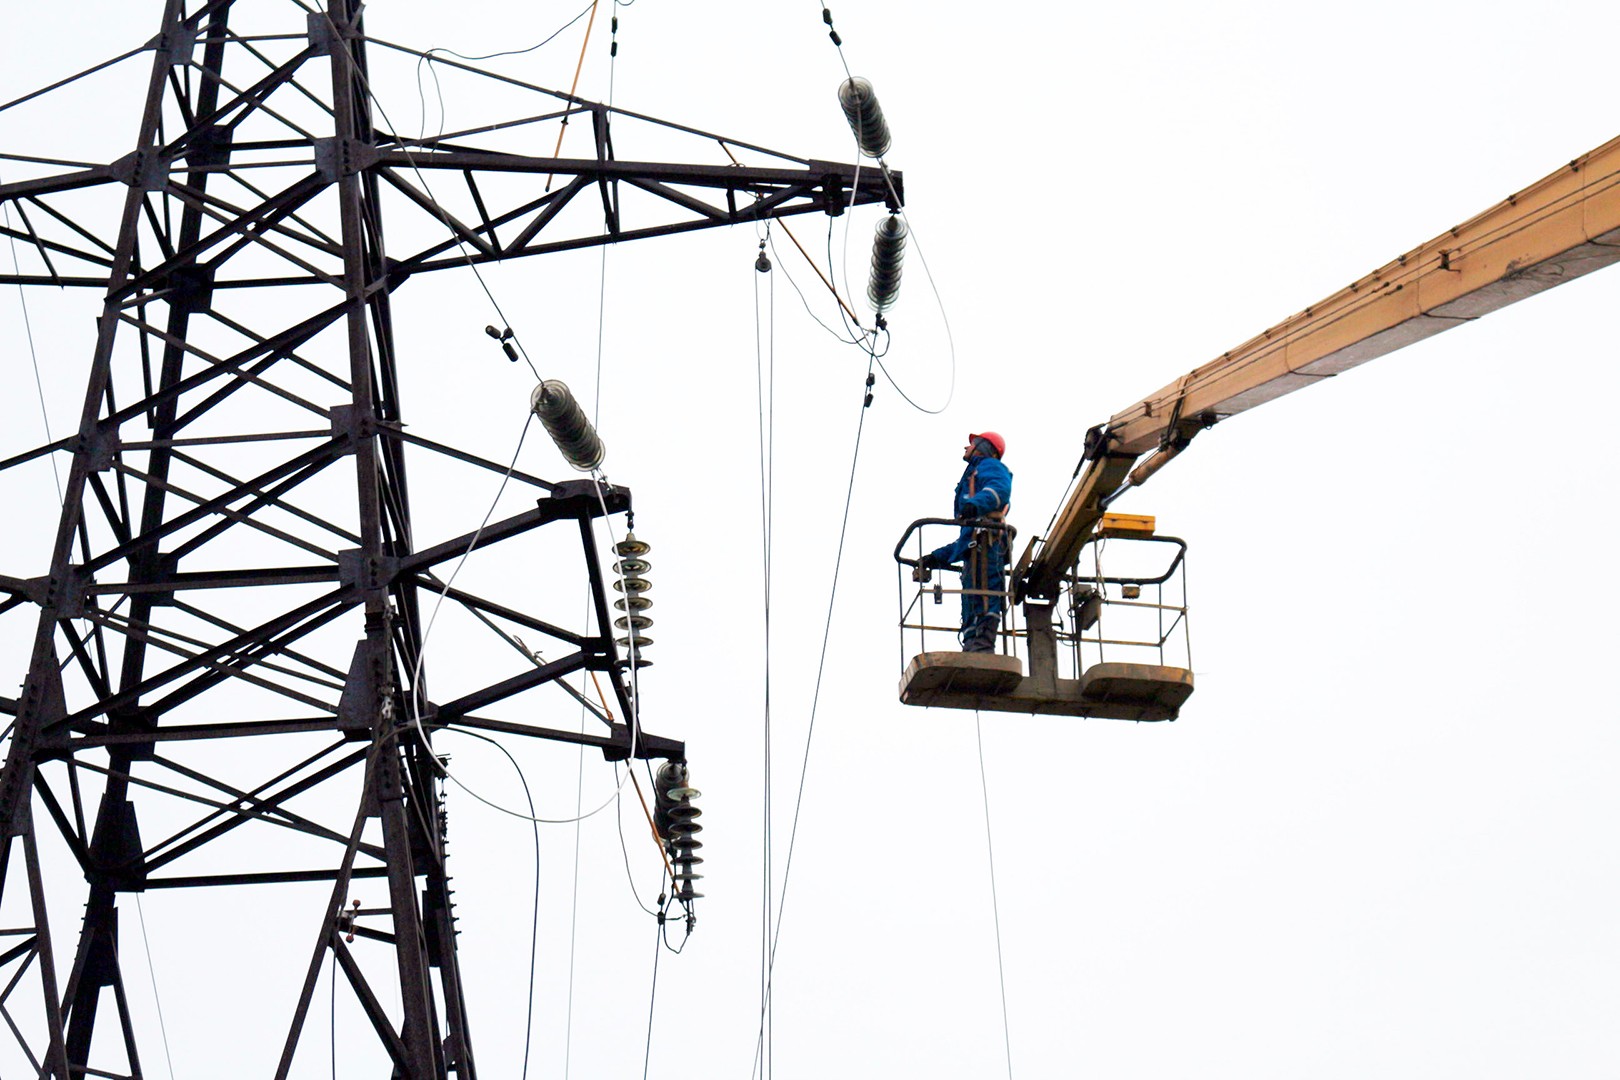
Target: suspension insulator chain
(675, 818)
(888, 253)
(567, 425)
(865, 116)
(631, 567)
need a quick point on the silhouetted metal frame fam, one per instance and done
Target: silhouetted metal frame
(135, 651)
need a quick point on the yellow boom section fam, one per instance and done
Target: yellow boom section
(1555, 230)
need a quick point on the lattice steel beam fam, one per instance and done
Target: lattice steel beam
(236, 557)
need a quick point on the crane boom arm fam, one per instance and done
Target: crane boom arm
(1557, 229)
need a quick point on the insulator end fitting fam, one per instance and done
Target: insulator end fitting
(865, 116)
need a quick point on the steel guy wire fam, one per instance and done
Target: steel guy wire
(815, 701)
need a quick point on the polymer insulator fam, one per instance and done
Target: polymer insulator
(567, 425)
(865, 116)
(888, 253)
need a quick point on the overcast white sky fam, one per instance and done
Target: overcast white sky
(1381, 839)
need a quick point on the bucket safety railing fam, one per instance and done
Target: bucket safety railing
(1137, 613)
(1111, 644)
(1138, 616)
(922, 591)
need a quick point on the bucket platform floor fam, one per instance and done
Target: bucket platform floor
(995, 683)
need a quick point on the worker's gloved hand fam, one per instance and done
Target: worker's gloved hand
(928, 562)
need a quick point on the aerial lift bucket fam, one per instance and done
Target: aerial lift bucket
(1057, 637)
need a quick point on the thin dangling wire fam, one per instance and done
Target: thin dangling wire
(995, 903)
(765, 401)
(815, 704)
(33, 353)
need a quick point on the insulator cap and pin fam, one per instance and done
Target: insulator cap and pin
(567, 425)
(675, 818)
(630, 567)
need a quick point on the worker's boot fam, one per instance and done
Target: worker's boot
(981, 636)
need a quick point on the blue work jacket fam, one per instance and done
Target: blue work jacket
(985, 488)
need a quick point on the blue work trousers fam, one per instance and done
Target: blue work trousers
(984, 567)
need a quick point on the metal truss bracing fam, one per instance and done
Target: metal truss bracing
(225, 667)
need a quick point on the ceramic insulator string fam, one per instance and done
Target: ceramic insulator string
(888, 253)
(865, 116)
(675, 819)
(567, 425)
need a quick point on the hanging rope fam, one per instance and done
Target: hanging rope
(573, 88)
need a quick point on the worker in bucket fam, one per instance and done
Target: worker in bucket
(979, 553)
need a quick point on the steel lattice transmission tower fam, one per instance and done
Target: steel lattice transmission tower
(227, 626)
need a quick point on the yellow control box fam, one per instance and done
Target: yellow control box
(1126, 526)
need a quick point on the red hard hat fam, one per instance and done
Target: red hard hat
(992, 438)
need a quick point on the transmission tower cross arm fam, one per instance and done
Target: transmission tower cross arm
(229, 664)
(1561, 227)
